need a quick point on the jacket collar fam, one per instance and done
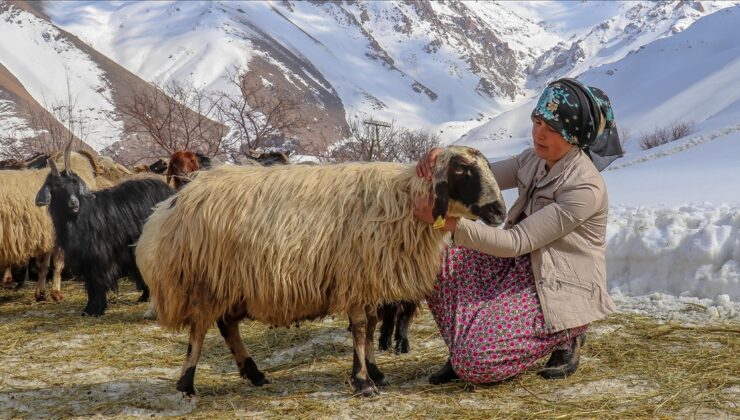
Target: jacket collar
(558, 168)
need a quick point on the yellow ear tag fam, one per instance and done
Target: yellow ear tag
(439, 223)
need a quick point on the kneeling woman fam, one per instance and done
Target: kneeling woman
(508, 297)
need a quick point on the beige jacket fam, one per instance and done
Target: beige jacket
(564, 231)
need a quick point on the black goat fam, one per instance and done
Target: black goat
(97, 230)
(203, 161)
(396, 316)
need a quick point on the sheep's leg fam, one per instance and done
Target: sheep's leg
(386, 328)
(195, 345)
(7, 276)
(229, 327)
(405, 313)
(43, 262)
(56, 288)
(360, 378)
(372, 367)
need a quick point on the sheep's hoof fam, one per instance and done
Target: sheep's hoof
(56, 295)
(377, 377)
(365, 388)
(150, 313)
(40, 296)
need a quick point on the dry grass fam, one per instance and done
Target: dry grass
(57, 364)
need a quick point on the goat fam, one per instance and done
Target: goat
(96, 230)
(182, 164)
(282, 244)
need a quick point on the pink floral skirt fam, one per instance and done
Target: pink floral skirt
(489, 315)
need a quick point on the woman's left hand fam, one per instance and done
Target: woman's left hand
(423, 211)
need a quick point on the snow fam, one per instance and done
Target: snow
(49, 66)
(673, 239)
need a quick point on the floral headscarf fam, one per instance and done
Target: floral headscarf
(583, 116)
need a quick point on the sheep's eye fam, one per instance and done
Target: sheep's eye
(460, 171)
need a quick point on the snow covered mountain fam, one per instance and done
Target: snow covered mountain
(449, 65)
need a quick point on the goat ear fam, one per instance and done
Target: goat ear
(43, 197)
(441, 199)
(82, 190)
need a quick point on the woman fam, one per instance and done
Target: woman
(507, 297)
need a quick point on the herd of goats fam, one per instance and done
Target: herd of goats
(270, 241)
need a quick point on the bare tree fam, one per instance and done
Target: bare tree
(413, 144)
(260, 115)
(48, 129)
(175, 116)
(371, 141)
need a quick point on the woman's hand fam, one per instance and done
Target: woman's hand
(423, 211)
(425, 167)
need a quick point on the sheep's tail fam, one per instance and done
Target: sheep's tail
(160, 272)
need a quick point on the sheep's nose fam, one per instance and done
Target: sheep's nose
(493, 213)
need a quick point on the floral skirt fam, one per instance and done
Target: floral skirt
(489, 315)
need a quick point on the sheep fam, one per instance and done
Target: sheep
(282, 244)
(37, 161)
(96, 230)
(26, 231)
(182, 164)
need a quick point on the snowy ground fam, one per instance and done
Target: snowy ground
(57, 364)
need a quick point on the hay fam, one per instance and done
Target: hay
(58, 364)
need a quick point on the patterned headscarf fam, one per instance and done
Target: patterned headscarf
(583, 116)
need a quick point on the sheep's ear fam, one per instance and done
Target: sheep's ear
(43, 197)
(441, 199)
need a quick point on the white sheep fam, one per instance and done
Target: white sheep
(283, 244)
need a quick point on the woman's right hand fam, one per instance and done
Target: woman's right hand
(425, 167)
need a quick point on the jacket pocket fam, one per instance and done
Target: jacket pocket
(575, 287)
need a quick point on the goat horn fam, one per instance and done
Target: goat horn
(67, 152)
(53, 166)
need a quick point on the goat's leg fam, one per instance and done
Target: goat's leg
(97, 301)
(140, 285)
(372, 367)
(388, 312)
(405, 313)
(43, 261)
(56, 288)
(229, 327)
(195, 345)
(360, 378)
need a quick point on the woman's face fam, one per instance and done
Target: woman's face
(548, 144)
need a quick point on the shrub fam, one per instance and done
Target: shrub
(663, 135)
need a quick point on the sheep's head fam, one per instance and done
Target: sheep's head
(62, 190)
(464, 186)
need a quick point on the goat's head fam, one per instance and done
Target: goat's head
(62, 190)
(464, 186)
(159, 167)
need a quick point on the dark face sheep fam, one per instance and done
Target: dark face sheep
(96, 230)
(458, 177)
(158, 167)
(285, 244)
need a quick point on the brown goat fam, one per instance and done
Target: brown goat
(182, 163)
